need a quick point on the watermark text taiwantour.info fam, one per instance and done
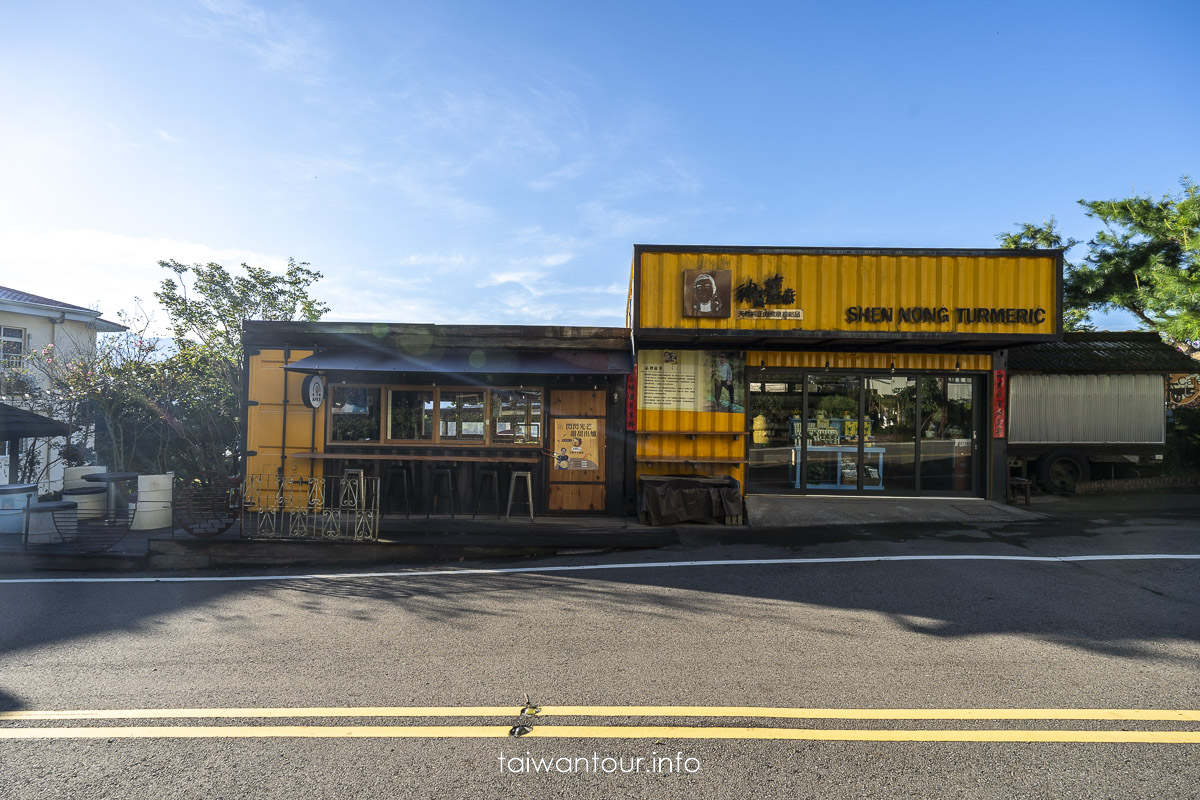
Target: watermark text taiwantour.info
(597, 764)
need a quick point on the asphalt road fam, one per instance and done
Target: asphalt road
(912, 635)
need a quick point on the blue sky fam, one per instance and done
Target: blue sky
(487, 162)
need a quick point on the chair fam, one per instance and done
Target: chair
(512, 485)
(51, 523)
(490, 475)
(441, 474)
(154, 502)
(1016, 485)
(397, 472)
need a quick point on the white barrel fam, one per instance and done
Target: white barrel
(50, 523)
(13, 499)
(149, 515)
(155, 487)
(73, 476)
(153, 509)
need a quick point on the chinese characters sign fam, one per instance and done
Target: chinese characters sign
(771, 292)
(576, 444)
(691, 380)
(999, 397)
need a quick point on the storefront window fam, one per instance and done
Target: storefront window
(516, 417)
(410, 415)
(832, 434)
(354, 414)
(911, 434)
(461, 417)
(436, 415)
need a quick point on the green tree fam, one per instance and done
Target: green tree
(158, 406)
(1046, 236)
(1146, 260)
(112, 394)
(206, 306)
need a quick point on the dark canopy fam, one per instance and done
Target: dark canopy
(462, 361)
(16, 423)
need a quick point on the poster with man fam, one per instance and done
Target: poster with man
(692, 380)
(576, 444)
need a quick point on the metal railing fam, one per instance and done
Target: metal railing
(344, 508)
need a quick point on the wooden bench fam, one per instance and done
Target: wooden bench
(1016, 485)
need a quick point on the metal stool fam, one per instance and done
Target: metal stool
(438, 474)
(512, 485)
(1016, 485)
(491, 475)
(395, 471)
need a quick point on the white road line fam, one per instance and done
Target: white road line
(444, 573)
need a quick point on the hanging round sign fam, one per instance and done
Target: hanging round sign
(313, 391)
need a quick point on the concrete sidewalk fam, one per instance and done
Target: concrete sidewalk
(790, 520)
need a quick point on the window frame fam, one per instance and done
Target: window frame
(13, 361)
(437, 440)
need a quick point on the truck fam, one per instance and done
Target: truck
(1090, 405)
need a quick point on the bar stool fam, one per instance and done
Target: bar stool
(440, 474)
(395, 471)
(491, 475)
(512, 485)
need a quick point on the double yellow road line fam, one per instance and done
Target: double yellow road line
(10, 727)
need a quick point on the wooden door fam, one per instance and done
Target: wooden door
(576, 435)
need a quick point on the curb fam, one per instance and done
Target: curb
(1178, 483)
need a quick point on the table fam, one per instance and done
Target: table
(112, 479)
(672, 499)
(853, 449)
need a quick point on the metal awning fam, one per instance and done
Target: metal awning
(468, 362)
(17, 424)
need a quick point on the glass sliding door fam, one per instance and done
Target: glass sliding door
(776, 401)
(826, 432)
(891, 411)
(948, 434)
(833, 435)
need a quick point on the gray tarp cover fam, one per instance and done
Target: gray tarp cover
(669, 499)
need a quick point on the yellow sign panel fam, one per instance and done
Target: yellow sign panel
(576, 444)
(691, 380)
(985, 292)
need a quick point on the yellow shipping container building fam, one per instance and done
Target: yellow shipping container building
(800, 371)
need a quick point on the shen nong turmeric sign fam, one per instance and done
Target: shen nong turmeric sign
(840, 293)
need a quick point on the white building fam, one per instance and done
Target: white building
(29, 323)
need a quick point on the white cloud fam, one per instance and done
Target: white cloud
(284, 42)
(552, 180)
(436, 194)
(103, 270)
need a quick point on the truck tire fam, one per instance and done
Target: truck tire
(1060, 470)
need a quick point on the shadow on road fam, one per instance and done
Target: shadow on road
(1124, 609)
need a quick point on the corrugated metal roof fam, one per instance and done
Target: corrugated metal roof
(25, 297)
(1102, 351)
